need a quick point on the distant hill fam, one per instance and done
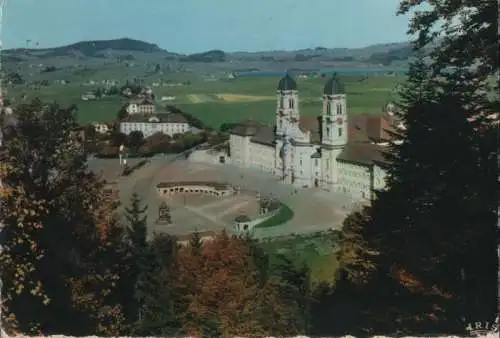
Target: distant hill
(90, 48)
(210, 56)
(127, 56)
(379, 53)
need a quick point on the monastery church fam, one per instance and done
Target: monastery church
(333, 151)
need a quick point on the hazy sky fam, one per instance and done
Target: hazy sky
(189, 26)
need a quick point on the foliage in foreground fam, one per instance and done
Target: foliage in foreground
(424, 254)
(61, 243)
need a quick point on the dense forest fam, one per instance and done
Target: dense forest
(420, 260)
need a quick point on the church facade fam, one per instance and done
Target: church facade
(333, 151)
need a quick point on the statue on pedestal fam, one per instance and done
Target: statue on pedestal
(164, 214)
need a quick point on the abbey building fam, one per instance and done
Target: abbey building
(333, 151)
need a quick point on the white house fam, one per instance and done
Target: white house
(142, 106)
(332, 151)
(166, 123)
(101, 128)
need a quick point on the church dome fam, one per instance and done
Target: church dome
(287, 83)
(333, 86)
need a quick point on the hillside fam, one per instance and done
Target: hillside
(126, 49)
(93, 48)
(134, 60)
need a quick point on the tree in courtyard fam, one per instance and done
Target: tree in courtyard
(62, 247)
(118, 138)
(122, 113)
(135, 139)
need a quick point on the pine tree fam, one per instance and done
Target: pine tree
(137, 222)
(157, 312)
(139, 256)
(195, 242)
(419, 233)
(295, 290)
(259, 257)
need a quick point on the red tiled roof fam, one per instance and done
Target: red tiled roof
(364, 153)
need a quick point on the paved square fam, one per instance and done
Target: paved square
(314, 210)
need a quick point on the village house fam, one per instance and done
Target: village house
(101, 128)
(166, 123)
(141, 106)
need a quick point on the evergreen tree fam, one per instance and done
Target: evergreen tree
(259, 257)
(466, 34)
(139, 256)
(157, 315)
(137, 222)
(195, 242)
(295, 290)
(419, 233)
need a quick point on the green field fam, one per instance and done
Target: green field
(284, 215)
(200, 98)
(318, 252)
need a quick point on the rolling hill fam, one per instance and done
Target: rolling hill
(126, 49)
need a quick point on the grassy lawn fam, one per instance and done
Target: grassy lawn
(284, 215)
(88, 111)
(364, 95)
(200, 98)
(315, 251)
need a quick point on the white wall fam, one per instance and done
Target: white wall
(132, 108)
(379, 176)
(207, 156)
(261, 157)
(354, 180)
(148, 128)
(330, 168)
(238, 146)
(302, 163)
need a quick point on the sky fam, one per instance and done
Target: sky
(189, 26)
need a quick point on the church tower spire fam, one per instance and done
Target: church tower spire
(334, 115)
(287, 106)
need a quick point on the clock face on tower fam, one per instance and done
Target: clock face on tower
(340, 121)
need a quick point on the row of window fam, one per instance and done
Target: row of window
(329, 109)
(291, 103)
(353, 173)
(357, 185)
(180, 126)
(339, 132)
(316, 163)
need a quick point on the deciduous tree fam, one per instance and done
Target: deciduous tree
(466, 33)
(61, 246)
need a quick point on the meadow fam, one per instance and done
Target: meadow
(317, 251)
(226, 100)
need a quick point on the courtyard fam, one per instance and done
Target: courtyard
(314, 210)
